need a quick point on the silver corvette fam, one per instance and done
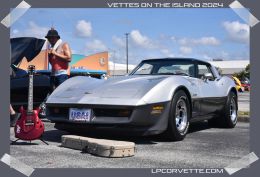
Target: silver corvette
(158, 96)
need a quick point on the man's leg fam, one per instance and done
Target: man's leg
(12, 111)
(52, 83)
(60, 79)
(13, 116)
(42, 106)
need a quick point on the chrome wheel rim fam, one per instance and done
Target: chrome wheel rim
(43, 109)
(181, 117)
(233, 110)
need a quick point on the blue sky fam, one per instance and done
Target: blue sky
(168, 32)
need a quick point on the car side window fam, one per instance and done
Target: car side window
(202, 70)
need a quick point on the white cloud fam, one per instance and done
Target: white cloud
(185, 50)
(95, 46)
(237, 32)
(210, 41)
(206, 57)
(141, 40)
(182, 41)
(220, 54)
(33, 30)
(36, 30)
(173, 38)
(15, 31)
(167, 53)
(83, 28)
(224, 54)
(118, 41)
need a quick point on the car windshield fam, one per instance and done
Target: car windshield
(164, 67)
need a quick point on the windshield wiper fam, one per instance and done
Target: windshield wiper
(164, 74)
(183, 74)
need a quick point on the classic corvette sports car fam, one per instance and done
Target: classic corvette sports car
(158, 96)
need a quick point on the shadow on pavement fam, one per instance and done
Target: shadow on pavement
(198, 126)
(22, 142)
(55, 135)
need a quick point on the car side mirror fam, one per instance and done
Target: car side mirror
(208, 76)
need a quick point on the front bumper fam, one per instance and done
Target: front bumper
(141, 120)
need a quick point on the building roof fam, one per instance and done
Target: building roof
(119, 66)
(240, 64)
(228, 67)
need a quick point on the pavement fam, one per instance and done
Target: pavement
(244, 101)
(203, 147)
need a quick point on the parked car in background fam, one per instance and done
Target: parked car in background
(239, 86)
(245, 82)
(41, 83)
(28, 48)
(158, 96)
(19, 82)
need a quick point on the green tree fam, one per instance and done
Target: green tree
(242, 74)
(248, 71)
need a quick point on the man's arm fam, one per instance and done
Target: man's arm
(66, 53)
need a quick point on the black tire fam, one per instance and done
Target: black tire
(228, 119)
(174, 133)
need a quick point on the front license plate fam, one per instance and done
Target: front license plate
(80, 115)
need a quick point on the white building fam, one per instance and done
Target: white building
(116, 69)
(228, 67)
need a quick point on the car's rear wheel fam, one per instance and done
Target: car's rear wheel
(179, 116)
(229, 117)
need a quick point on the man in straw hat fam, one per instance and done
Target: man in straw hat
(59, 55)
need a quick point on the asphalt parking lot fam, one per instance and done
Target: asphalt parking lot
(203, 147)
(243, 101)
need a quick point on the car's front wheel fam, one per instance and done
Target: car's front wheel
(179, 116)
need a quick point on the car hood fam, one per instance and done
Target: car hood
(126, 90)
(128, 87)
